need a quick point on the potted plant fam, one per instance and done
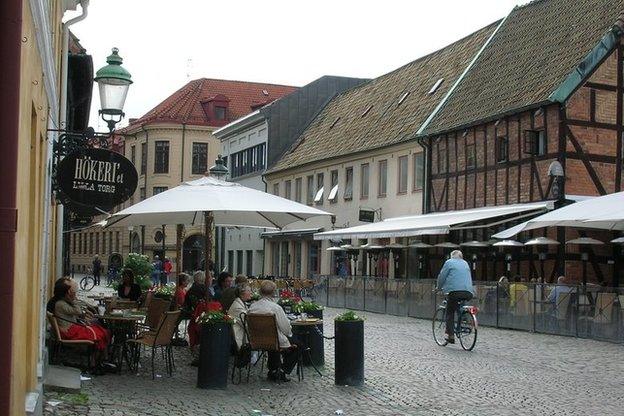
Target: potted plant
(349, 351)
(214, 348)
(141, 268)
(164, 292)
(288, 300)
(310, 308)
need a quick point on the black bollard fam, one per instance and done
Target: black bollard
(214, 355)
(349, 354)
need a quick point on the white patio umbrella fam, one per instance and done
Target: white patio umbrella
(219, 203)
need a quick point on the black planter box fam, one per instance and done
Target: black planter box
(349, 354)
(312, 338)
(316, 314)
(214, 355)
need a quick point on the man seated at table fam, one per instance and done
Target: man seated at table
(278, 369)
(561, 288)
(229, 294)
(128, 289)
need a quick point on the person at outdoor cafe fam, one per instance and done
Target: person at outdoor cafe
(74, 322)
(224, 281)
(229, 294)
(180, 292)
(455, 281)
(279, 367)
(197, 293)
(561, 288)
(517, 289)
(239, 306)
(128, 289)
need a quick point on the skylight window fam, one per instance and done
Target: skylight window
(334, 123)
(318, 198)
(436, 86)
(403, 97)
(333, 194)
(367, 110)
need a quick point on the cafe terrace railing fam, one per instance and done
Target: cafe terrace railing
(596, 313)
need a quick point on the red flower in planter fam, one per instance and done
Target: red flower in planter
(214, 307)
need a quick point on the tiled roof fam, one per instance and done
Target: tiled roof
(184, 105)
(371, 115)
(532, 53)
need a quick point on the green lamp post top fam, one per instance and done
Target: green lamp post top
(219, 170)
(114, 70)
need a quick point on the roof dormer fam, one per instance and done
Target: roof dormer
(216, 110)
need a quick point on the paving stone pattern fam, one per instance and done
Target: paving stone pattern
(508, 373)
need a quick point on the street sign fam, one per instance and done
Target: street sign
(367, 215)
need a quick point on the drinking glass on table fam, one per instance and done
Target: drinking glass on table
(303, 316)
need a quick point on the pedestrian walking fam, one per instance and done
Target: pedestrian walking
(158, 269)
(97, 269)
(167, 267)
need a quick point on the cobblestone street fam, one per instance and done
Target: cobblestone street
(508, 373)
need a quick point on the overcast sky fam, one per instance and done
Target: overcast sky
(165, 43)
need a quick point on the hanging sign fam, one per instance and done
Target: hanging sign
(95, 180)
(367, 215)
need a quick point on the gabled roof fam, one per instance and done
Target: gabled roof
(532, 53)
(185, 105)
(386, 110)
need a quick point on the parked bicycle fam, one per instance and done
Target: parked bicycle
(87, 282)
(465, 328)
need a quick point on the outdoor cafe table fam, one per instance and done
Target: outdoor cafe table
(122, 327)
(310, 333)
(100, 299)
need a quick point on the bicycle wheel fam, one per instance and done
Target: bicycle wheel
(87, 283)
(467, 331)
(439, 327)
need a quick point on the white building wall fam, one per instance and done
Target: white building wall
(241, 242)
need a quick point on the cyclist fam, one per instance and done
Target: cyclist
(455, 281)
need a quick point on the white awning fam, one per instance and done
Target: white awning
(301, 232)
(604, 212)
(436, 223)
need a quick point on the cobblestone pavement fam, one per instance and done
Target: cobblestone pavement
(508, 373)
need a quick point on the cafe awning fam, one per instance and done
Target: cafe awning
(296, 233)
(439, 222)
(604, 212)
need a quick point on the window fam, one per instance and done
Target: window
(419, 172)
(287, 189)
(298, 184)
(248, 161)
(436, 86)
(104, 243)
(239, 261)
(502, 149)
(230, 260)
(79, 243)
(311, 191)
(314, 258)
(90, 243)
(143, 158)
(333, 193)
(220, 112)
(383, 178)
(284, 259)
(110, 241)
(276, 189)
(117, 241)
(320, 188)
(364, 176)
(402, 172)
(142, 193)
(471, 156)
(348, 193)
(161, 161)
(249, 263)
(73, 237)
(200, 158)
(133, 154)
(159, 189)
(535, 142)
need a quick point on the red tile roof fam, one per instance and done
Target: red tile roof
(185, 105)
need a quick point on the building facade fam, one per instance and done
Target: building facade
(171, 144)
(358, 155)
(255, 142)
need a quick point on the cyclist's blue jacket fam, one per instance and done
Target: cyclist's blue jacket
(455, 275)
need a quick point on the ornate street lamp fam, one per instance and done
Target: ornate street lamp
(113, 82)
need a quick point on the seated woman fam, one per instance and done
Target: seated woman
(128, 289)
(243, 294)
(180, 292)
(72, 319)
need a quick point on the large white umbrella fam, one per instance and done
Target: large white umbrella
(231, 204)
(214, 202)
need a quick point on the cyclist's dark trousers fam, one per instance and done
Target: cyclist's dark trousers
(452, 304)
(96, 277)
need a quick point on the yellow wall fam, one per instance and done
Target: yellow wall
(32, 155)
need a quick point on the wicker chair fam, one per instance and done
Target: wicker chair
(156, 310)
(58, 342)
(262, 334)
(161, 338)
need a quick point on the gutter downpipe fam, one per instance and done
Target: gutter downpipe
(10, 54)
(144, 181)
(266, 186)
(60, 217)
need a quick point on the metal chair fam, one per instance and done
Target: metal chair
(161, 338)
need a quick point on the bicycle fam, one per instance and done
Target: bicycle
(87, 282)
(465, 329)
